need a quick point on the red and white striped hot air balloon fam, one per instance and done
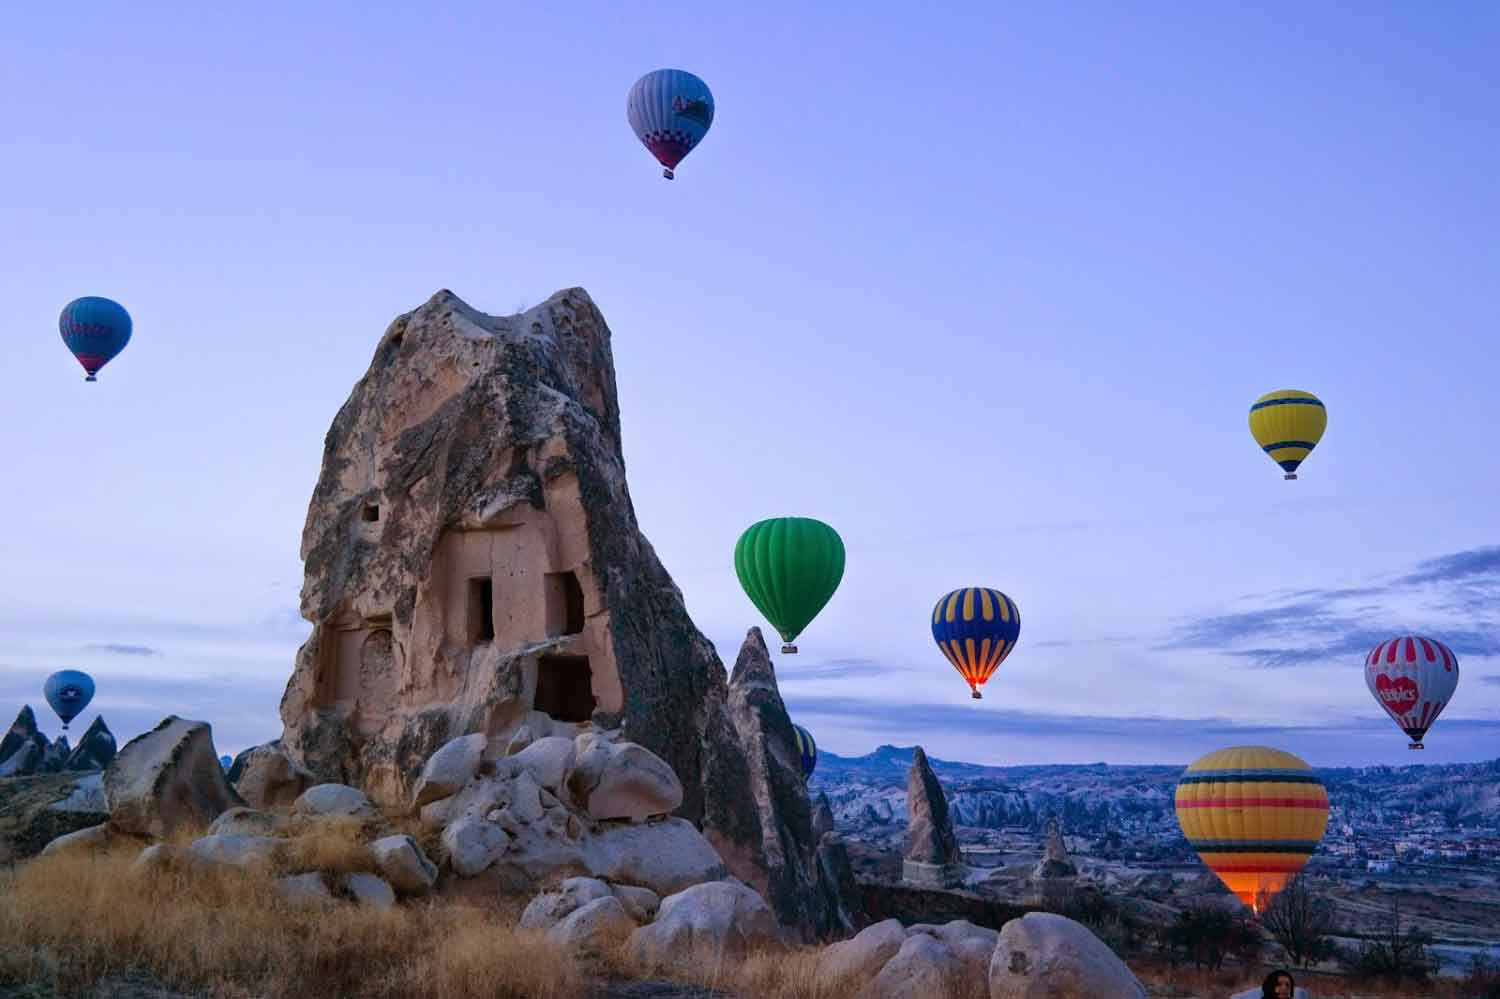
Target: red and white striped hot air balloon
(1413, 678)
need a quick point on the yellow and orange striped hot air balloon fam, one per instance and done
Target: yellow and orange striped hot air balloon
(1254, 815)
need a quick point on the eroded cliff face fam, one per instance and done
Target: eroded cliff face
(473, 561)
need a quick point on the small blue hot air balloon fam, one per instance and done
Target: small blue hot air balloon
(95, 330)
(670, 111)
(806, 749)
(69, 692)
(225, 762)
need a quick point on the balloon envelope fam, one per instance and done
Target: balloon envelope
(976, 628)
(1413, 678)
(807, 750)
(95, 330)
(789, 568)
(69, 692)
(1287, 424)
(670, 111)
(1254, 815)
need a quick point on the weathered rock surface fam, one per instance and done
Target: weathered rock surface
(641, 903)
(247, 852)
(621, 780)
(56, 756)
(1047, 956)
(593, 926)
(550, 908)
(706, 925)
(549, 760)
(450, 768)
(305, 889)
(156, 858)
(404, 864)
(924, 966)
(22, 730)
(472, 558)
(167, 779)
(367, 889)
(334, 801)
(860, 958)
(932, 856)
(666, 856)
(266, 777)
(96, 750)
(92, 838)
(241, 821)
(766, 833)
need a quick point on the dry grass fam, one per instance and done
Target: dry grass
(70, 920)
(1186, 982)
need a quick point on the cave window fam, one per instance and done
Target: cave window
(481, 610)
(564, 604)
(372, 513)
(564, 688)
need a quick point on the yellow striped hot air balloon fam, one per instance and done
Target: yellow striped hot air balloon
(1254, 815)
(1287, 424)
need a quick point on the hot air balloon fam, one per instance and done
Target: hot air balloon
(1254, 815)
(789, 568)
(976, 628)
(1287, 425)
(95, 330)
(69, 692)
(670, 111)
(807, 750)
(1413, 678)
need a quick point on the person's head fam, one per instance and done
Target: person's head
(1278, 985)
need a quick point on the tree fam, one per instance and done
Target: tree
(1395, 956)
(1300, 920)
(1206, 933)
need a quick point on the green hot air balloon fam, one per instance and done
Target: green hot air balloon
(789, 567)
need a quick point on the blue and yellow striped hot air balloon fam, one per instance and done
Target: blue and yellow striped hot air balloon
(976, 628)
(807, 750)
(1287, 424)
(1254, 815)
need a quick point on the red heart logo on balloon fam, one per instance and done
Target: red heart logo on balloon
(1399, 696)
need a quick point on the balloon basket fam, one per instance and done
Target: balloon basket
(789, 649)
(667, 174)
(975, 695)
(1290, 475)
(91, 378)
(1416, 745)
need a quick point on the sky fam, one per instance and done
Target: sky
(989, 288)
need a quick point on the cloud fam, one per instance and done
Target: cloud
(124, 650)
(1493, 681)
(1341, 625)
(1068, 643)
(839, 669)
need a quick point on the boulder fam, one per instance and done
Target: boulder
(1046, 956)
(167, 779)
(266, 777)
(552, 907)
(924, 967)
(305, 890)
(666, 856)
(473, 845)
(549, 760)
(450, 768)
(641, 903)
(84, 840)
(972, 945)
(705, 926)
(404, 864)
(853, 963)
(246, 852)
(622, 780)
(241, 821)
(334, 801)
(156, 859)
(593, 927)
(367, 889)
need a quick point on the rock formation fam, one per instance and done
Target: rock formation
(473, 562)
(24, 747)
(167, 779)
(932, 855)
(96, 750)
(1046, 956)
(766, 833)
(1055, 877)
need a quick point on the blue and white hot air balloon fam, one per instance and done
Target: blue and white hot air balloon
(670, 111)
(69, 692)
